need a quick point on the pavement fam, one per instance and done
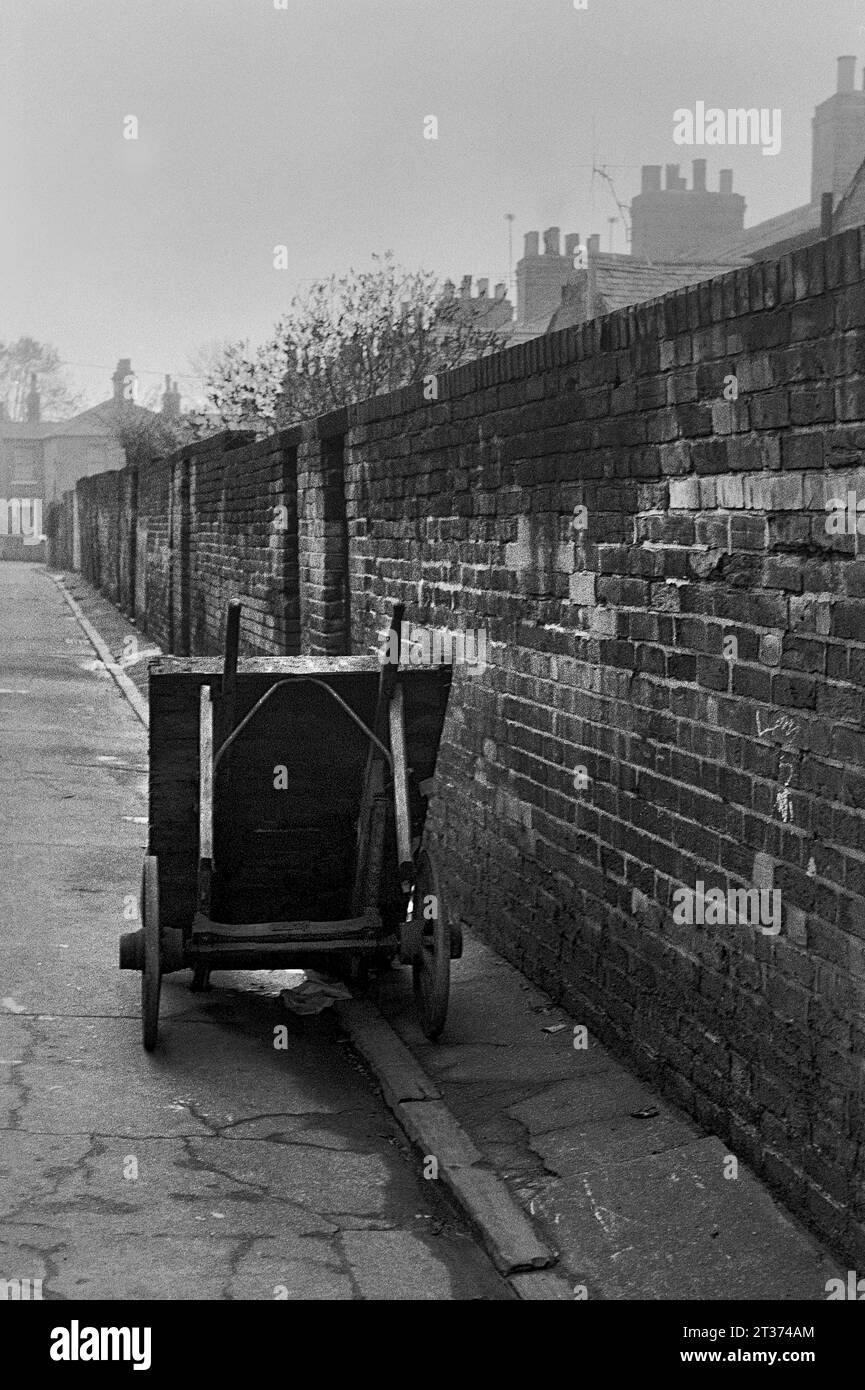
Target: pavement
(627, 1196)
(217, 1167)
(130, 649)
(626, 1189)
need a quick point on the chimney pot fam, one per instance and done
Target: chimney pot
(726, 183)
(699, 175)
(847, 73)
(532, 241)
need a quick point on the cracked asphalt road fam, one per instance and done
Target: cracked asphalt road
(217, 1167)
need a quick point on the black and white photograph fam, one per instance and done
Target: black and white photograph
(432, 671)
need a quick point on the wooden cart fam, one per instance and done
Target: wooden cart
(287, 806)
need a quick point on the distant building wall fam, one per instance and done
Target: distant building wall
(68, 458)
(675, 220)
(838, 135)
(541, 277)
(21, 487)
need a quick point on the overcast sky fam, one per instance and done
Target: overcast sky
(260, 126)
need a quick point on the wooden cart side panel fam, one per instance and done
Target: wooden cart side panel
(291, 851)
(173, 804)
(285, 833)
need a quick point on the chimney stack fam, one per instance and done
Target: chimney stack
(34, 404)
(551, 241)
(594, 244)
(531, 247)
(483, 288)
(170, 400)
(466, 287)
(698, 180)
(123, 370)
(847, 73)
(837, 136)
(651, 178)
(500, 291)
(572, 244)
(726, 183)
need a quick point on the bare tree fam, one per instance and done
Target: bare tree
(366, 333)
(19, 361)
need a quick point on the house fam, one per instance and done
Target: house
(676, 222)
(837, 154)
(41, 459)
(611, 282)
(681, 235)
(559, 290)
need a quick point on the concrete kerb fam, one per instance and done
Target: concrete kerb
(501, 1225)
(118, 675)
(416, 1103)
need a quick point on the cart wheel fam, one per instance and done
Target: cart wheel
(431, 966)
(151, 974)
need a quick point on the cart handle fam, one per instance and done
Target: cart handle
(291, 680)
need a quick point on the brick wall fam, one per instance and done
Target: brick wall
(244, 543)
(60, 529)
(675, 679)
(140, 546)
(153, 547)
(100, 506)
(323, 537)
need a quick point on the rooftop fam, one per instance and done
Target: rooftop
(801, 222)
(97, 421)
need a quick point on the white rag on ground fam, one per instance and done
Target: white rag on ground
(313, 993)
